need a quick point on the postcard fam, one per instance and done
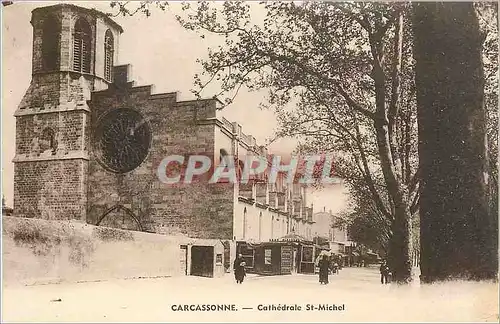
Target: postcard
(260, 162)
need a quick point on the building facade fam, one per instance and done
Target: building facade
(52, 121)
(89, 144)
(330, 226)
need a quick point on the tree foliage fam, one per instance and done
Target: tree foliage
(345, 67)
(340, 77)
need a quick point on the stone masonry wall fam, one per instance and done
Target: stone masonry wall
(43, 92)
(38, 19)
(53, 189)
(66, 16)
(67, 127)
(50, 178)
(199, 209)
(37, 251)
(57, 90)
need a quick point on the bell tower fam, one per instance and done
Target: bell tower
(74, 50)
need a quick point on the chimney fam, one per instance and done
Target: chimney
(324, 209)
(237, 129)
(122, 74)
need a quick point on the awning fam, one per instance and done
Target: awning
(325, 252)
(292, 237)
(252, 244)
(355, 253)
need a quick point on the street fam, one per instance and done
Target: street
(148, 300)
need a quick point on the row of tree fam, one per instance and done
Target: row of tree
(398, 92)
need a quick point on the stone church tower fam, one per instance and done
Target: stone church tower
(89, 142)
(73, 55)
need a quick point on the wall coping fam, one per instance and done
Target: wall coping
(70, 156)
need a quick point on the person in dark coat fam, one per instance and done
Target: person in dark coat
(239, 269)
(384, 272)
(324, 267)
(335, 267)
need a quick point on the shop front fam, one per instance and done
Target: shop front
(273, 259)
(286, 255)
(247, 250)
(303, 252)
(268, 258)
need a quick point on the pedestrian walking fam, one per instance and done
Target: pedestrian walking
(239, 269)
(324, 268)
(384, 273)
(335, 268)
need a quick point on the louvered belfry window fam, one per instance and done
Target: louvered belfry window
(108, 55)
(81, 47)
(50, 43)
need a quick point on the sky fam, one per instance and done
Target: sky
(161, 53)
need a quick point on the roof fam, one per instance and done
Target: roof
(338, 242)
(92, 11)
(292, 237)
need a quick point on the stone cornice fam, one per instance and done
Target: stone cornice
(283, 212)
(92, 12)
(88, 75)
(209, 121)
(246, 200)
(62, 108)
(261, 205)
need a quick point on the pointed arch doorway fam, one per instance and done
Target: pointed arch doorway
(120, 217)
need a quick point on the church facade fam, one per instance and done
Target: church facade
(89, 143)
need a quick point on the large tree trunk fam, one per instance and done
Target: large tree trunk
(400, 241)
(457, 233)
(400, 245)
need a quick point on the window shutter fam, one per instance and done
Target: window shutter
(108, 63)
(85, 56)
(77, 54)
(108, 55)
(81, 46)
(106, 66)
(50, 44)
